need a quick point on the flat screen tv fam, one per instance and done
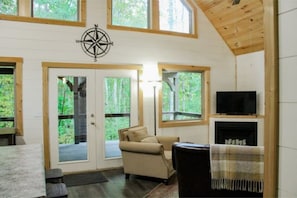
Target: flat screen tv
(236, 102)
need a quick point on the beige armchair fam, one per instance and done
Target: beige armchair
(146, 155)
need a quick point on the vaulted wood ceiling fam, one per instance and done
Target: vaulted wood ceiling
(240, 25)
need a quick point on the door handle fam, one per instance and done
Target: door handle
(93, 123)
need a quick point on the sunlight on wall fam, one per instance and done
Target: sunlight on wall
(150, 78)
(150, 72)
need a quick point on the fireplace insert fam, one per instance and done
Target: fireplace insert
(239, 133)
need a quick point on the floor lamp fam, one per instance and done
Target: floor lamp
(155, 85)
(155, 111)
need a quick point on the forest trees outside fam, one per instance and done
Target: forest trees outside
(56, 9)
(181, 96)
(7, 101)
(67, 10)
(174, 15)
(8, 7)
(116, 107)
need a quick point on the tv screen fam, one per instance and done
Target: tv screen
(236, 102)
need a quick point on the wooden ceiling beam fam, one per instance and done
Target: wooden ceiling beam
(249, 49)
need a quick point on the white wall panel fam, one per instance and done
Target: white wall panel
(287, 34)
(288, 125)
(286, 5)
(288, 98)
(287, 172)
(251, 76)
(287, 75)
(37, 43)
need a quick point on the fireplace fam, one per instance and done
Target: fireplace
(239, 133)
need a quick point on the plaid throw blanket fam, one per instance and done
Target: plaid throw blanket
(235, 167)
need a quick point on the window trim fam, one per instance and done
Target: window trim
(205, 70)
(18, 91)
(154, 21)
(24, 15)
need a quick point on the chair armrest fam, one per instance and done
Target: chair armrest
(167, 141)
(139, 147)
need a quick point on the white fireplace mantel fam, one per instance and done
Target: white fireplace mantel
(227, 118)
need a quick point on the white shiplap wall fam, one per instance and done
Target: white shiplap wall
(250, 76)
(288, 99)
(37, 43)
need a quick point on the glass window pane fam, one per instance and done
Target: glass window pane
(117, 112)
(130, 13)
(56, 9)
(7, 97)
(112, 125)
(8, 7)
(182, 99)
(174, 16)
(189, 92)
(72, 126)
(117, 95)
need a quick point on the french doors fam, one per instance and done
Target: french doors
(86, 109)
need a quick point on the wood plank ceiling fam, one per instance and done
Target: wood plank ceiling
(240, 25)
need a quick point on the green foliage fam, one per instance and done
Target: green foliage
(114, 124)
(186, 97)
(56, 9)
(117, 95)
(49, 9)
(66, 131)
(65, 97)
(130, 13)
(189, 92)
(174, 15)
(8, 7)
(117, 100)
(65, 107)
(6, 98)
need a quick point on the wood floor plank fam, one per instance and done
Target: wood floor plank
(116, 187)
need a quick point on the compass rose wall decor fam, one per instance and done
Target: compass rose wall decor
(95, 42)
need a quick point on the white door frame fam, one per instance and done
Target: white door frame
(100, 162)
(71, 166)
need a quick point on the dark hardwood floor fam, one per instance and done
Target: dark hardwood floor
(116, 187)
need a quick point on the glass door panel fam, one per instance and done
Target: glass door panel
(71, 119)
(72, 130)
(117, 112)
(118, 92)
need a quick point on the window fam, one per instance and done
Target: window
(11, 94)
(8, 7)
(184, 95)
(133, 13)
(174, 17)
(7, 87)
(56, 9)
(66, 12)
